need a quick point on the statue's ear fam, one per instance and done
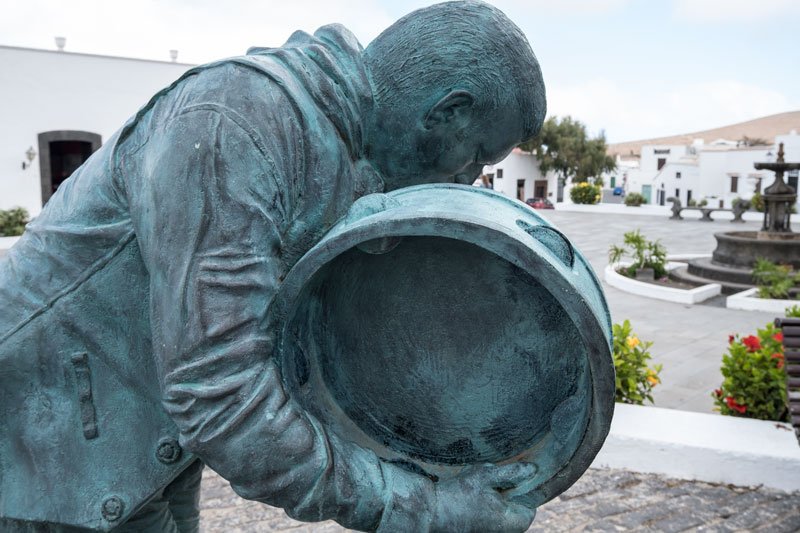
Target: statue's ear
(454, 109)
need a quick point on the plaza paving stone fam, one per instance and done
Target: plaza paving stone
(602, 500)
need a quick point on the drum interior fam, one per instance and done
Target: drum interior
(439, 351)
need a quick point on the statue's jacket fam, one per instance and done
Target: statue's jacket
(132, 325)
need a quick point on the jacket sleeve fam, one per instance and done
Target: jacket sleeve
(203, 214)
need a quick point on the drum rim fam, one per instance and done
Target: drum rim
(511, 244)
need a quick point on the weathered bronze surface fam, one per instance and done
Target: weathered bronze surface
(224, 281)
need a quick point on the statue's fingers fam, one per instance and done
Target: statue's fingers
(509, 476)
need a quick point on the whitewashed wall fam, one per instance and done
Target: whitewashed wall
(717, 167)
(43, 90)
(521, 165)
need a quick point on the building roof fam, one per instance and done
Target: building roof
(102, 56)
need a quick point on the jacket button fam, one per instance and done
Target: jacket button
(168, 450)
(112, 508)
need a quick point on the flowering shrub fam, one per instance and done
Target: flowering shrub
(634, 379)
(754, 381)
(585, 193)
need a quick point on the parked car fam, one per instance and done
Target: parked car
(539, 203)
(618, 191)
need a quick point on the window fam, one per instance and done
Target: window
(792, 179)
(688, 197)
(661, 162)
(521, 190)
(734, 183)
(677, 175)
(499, 173)
(664, 151)
(678, 193)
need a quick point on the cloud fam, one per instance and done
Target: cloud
(733, 10)
(632, 113)
(201, 31)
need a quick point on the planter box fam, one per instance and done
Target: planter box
(649, 290)
(749, 301)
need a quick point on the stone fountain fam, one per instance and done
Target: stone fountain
(732, 262)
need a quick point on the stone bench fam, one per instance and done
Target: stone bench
(738, 210)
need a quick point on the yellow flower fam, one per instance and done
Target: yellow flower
(652, 378)
(632, 342)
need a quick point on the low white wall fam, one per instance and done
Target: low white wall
(650, 290)
(7, 242)
(749, 301)
(704, 447)
(658, 210)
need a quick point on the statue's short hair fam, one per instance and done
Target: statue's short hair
(466, 45)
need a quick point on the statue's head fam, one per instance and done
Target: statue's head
(456, 86)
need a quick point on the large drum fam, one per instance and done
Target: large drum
(443, 326)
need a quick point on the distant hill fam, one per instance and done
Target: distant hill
(760, 128)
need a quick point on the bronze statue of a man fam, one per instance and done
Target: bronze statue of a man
(132, 340)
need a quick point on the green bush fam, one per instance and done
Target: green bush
(793, 311)
(12, 221)
(634, 379)
(585, 193)
(702, 203)
(635, 199)
(757, 202)
(754, 380)
(646, 254)
(774, 281)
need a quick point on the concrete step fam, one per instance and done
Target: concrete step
(706, 268)
(728, 287)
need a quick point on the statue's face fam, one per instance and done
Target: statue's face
(456, 151)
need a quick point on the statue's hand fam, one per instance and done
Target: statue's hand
(478, 499)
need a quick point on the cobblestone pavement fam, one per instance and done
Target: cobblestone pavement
(602, 500)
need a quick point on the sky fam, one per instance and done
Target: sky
(632, 69)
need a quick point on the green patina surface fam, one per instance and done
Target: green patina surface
(251, 274)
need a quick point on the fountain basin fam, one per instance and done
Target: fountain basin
(741, 248)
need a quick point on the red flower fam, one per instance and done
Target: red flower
(731, 338)
(780, 365)
(735, 406)
(778, 336)
(718, 393)
(777, 356)
(752, 343)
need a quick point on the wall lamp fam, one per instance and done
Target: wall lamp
(30, 155)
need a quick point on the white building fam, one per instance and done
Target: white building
(519, 176)
(718, 172)
(59, 107)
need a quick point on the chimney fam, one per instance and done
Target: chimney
(60, 43)
(173, 55)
